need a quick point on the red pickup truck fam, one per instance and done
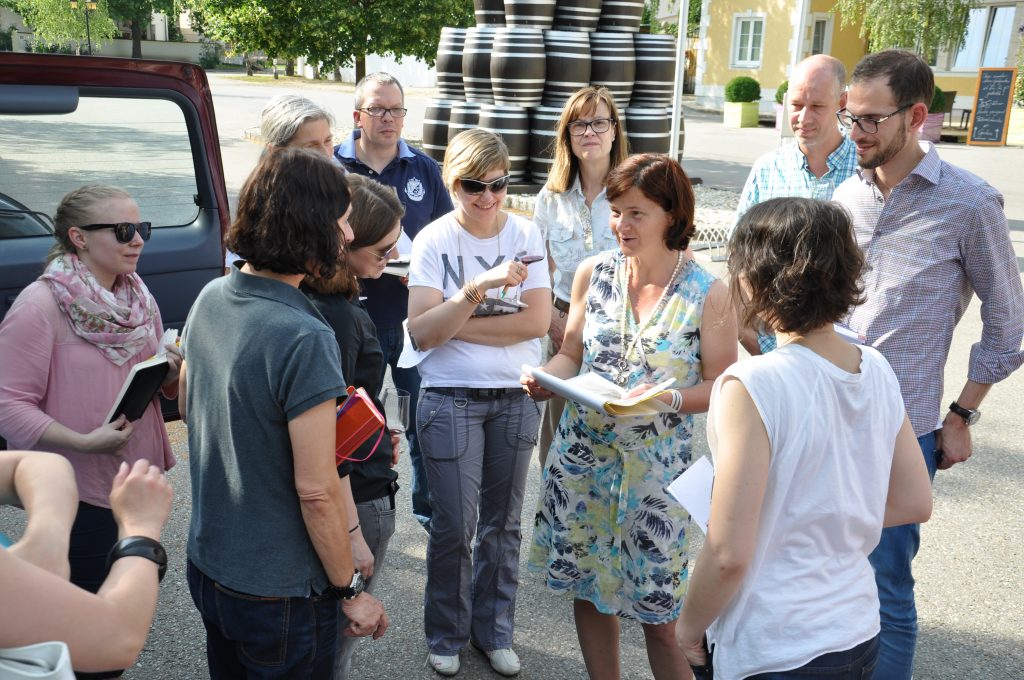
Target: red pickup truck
(145, 126)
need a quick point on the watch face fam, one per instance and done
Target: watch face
(974, 417)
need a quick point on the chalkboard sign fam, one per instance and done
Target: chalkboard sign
(992, 100)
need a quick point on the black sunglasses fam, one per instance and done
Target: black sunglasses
(124, 232)
(475, 186)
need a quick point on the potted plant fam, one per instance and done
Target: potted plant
(931, 130)
(780, 100)
(742, 94)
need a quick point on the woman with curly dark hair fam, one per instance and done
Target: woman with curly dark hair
(606, 533)
(814, 454)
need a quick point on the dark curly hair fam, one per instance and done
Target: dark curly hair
(663, 181)
(288, 211)
(800, 264)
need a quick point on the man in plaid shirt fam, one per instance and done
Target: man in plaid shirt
(933, 235)
(822, 158)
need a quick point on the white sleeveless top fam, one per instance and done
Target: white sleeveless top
(810, 589)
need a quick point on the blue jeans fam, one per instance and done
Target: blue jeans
(391, 341)
(477, 452)
(891, 561)
(264, 638)
(856, 663)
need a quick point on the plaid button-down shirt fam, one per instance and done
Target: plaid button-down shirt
(940, 237)
(784, 172)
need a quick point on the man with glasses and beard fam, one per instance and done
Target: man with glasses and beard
(376, 150)
(933, 235)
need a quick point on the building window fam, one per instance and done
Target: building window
(747, 42)
(821, 37)
(988, 39)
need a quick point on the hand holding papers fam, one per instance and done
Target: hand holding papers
(600, 394)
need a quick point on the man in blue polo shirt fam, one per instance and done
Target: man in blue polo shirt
(376, 149)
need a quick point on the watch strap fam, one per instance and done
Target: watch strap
(139, 546)
(969, 415)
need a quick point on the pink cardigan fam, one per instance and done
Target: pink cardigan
(47, 374)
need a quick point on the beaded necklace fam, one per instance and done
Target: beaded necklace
(623, 363)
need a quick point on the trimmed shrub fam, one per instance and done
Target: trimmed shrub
(742, 89)
(780, 92)
(938, 104)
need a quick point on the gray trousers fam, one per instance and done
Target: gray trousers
(377, 523)
(476, 454)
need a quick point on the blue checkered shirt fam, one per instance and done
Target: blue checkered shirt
(784, 172)
(939, 237)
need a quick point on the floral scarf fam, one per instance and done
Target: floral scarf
(119, 322)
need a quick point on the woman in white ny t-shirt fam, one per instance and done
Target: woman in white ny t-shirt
(814, 454)
(480, 306)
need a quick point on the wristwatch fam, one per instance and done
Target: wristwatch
(140, 546)
(970, 415)
(347, 592)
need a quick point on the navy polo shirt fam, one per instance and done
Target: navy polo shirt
(417, 179)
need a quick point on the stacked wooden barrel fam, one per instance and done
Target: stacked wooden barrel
(514, 71)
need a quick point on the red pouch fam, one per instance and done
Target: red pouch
(356, 422)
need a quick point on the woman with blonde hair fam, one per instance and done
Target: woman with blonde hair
(481, 311)
(68, 342)
(573, 213)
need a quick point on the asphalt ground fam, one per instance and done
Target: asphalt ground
(970, 581)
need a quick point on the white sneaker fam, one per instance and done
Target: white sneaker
(445, 665)
(504, 661)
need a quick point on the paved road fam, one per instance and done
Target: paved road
(970, 583)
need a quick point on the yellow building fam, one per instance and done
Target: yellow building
(756, 38)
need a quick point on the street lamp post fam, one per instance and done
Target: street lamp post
(90, 6)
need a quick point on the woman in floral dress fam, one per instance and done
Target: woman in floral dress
(606, 532)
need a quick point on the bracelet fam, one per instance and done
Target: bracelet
(140, 546)
(677, 400)
(472, 292)
(353, 529)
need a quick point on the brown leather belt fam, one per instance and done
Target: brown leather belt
(561, 305)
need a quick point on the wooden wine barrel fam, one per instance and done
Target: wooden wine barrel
(613, 64)
(655, 69)
(518, 66)
(465, 116)
(449, 63)
(543, 126)
(489, 12)
(577, 15)
(568, 65)
(476, 64)
(512, 123)
(534, 13)
(621, 16)
(648, 129)
(435, 127)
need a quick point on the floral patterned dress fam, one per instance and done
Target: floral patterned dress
(606, 530)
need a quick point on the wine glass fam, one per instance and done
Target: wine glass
(396, 409)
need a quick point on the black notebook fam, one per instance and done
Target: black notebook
(139, 388)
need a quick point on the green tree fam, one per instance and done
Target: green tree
(53, 21)
(138, 13)
(921, 25)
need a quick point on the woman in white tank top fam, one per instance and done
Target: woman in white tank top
(813, 456)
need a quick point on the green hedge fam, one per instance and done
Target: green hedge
(742, 89)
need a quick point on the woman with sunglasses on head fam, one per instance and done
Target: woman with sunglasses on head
(480, 309)
(572, 210)
(68, 342)
(375, 220)
(606, 532)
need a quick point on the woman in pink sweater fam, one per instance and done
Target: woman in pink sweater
(67, 345)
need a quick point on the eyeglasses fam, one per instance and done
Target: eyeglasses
(124, 232)
(379, 111)
(868, 125)
(381, 257)
(578, 128)
(475, 186)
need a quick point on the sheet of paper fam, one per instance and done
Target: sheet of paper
(693, 491)
(409, 356)
(404, 245)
